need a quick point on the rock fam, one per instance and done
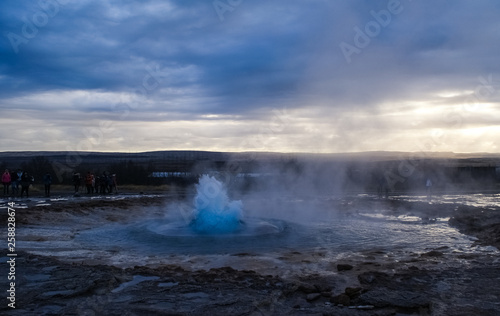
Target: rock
(323, 287)
(366, 278)
(307, 288)
(433, 253)
(353, 292)
(372, 277)
(344, 267)
(341, 299)
(300, 303)
(382, 297)
(312, 297)
(319, 283)
(442, 248)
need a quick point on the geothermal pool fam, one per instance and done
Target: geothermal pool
(218, 225)
(363, 233)
(204, 231)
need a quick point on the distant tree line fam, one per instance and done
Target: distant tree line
(127, 171)
(36, 167)
(327, 176)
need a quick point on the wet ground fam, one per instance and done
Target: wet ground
(446, 264)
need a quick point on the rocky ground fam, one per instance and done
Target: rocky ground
(438, 282)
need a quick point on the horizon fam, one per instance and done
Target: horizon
(235, 76)
(401, 154)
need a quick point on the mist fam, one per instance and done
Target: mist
(311, 188)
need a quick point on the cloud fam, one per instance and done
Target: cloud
(175, 66)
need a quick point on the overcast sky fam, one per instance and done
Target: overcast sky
(260, 75)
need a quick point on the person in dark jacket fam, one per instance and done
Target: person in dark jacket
(103, 183)
(47, 181)
(26, 181)
(15, 178)
(76, 181)
(97, 183)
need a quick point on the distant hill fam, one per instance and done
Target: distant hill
(97, 159)
(362, 171)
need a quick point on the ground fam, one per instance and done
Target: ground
(438, 282)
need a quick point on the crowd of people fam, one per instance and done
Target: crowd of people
(17, 183)
(101, 184)
(15, 180)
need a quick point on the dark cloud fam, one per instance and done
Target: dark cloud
(172, 60)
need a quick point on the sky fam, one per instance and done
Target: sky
(313, 76)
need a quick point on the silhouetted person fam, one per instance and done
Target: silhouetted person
(47, 181)
(76, 181)
(88, 182)
(113, 183)
(15, 180)
(97, 183)
(26, 181)
(428, 187)
(382, 186)
(104, 185)
(109, 184)
(94, 188)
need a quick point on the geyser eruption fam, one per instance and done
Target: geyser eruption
(214, 213)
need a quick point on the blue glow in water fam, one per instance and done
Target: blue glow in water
(214, 213)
